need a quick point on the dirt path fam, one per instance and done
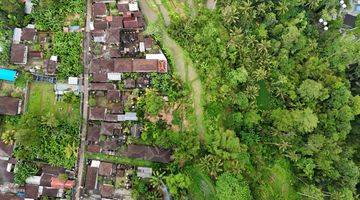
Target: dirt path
(184, 67)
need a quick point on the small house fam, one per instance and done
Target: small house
(18, 54)
(10, 106)
(350, 21)
(99, 10)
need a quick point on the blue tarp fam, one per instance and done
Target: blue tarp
(7, 75)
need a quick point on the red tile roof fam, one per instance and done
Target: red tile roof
(117, 22)
(97, 113)
(109, 128)
(123, 65)
(99, 9)
(145, 65)
(107, 191)
(106, 169)
(102, 86)
(18, 54)
(28, 34)
(155, 154)
(100, 25)
(93, 148)
(91, 178)
(93, 133)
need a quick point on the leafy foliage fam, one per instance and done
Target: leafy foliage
(24, 170)
(68, 46)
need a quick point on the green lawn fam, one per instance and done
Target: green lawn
(42, 99)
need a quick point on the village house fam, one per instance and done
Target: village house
(99, 10)
(350, 21)
(18, 54)
(50, 66)
(155, 154)
(28, 33)
(10, 106)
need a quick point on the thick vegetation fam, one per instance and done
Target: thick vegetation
(277, 100)
(68, 47)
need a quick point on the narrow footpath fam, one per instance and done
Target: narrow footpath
(86, 61)
(184, 67)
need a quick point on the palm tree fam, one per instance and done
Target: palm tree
(157, 179)
(282, 7)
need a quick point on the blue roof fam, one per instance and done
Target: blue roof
(7, 74)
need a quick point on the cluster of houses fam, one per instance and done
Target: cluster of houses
(117, 27)
(50, 181)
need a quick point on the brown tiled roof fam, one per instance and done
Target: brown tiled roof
(93, 148)
(50, 67)
(149, 42)
(106, 169)
(93, 133)
(117, 22)
(110, 145)
(101, 65)
(99, 9)
(53, 170)
(145, 65)
(123, 65)
(98, 33)
(9, 105)
(91, 178)
(117, 108)
(102, 86)
(115, 53)
(109, 128)
(129, 83)
(6, 177)
(123, 7)
(113, 95)
(99, 76)
(111, 118)
(100, 24)
(97, 113)
(31, 191)
(130, 22)
(46, 180)
(155, 154)
(35, 54)
(9, 197)
(113, 36)
(50, 192)
(28, 34)
(5, 150)
(106, 190)
(18, 53)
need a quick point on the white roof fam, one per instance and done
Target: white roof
(28, 6)
(8, 167)
(17, 35)
(54, 58)
(30, 26)
(35, 180)
(133, 6)
(114, 76)
(91, 24)
(159, 56)
(73, 80)
(95, 163)
(144, 172)
(142, 47)
(123, 2)
(129, 116)
(1, 49)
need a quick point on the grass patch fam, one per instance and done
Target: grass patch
(201, 185)
(263, 100)
(278, 183)
(43, 100)
(121, 160)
